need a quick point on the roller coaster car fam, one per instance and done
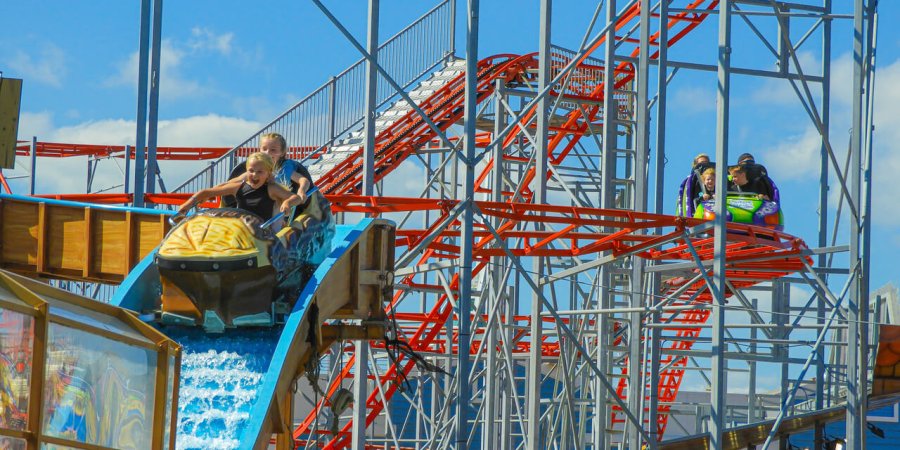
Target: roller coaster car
(224, 268)
(745, 208)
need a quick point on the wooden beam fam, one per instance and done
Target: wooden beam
(87, 270)
(285, 440)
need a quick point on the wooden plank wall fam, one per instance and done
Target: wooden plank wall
(75, 242)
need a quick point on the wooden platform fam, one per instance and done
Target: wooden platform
(75, 241)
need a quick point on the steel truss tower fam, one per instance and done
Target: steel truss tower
(545, 299)
(575, 325)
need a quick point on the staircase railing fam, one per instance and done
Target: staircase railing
(334, 109)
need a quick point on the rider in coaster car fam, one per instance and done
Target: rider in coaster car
(708, 179)
(748, 176)
(692, 187)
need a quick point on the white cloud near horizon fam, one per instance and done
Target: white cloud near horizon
(47, 66)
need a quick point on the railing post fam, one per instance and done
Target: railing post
(231, 158)
(332, 98)
(33, 163)
(452, 26)
(127, 168)
(211, 181)
(90, 174)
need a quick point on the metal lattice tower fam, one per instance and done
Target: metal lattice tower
(585, 352)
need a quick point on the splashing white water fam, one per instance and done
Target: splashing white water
(220, 380)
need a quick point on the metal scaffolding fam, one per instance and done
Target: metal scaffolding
(549, 302)
(550, 349)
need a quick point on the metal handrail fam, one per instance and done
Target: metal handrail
(330, 112)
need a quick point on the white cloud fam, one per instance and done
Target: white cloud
(206, 39)
(35, 124)
(175, 57)
(107, 131)
(172, 84)
(802, 150)
(885, 152)
(885, 190)
(48, 66)
(210, 130)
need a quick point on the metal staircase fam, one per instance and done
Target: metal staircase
(346, 148)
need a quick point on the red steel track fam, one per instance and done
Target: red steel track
(62, 150)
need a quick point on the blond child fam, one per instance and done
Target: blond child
(256, 192)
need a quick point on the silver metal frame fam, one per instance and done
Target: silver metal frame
(573, 413)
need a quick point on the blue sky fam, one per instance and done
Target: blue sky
(229, 66)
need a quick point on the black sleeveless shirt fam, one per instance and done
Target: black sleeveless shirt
(256, 200)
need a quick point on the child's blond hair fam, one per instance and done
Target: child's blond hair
(264, 158)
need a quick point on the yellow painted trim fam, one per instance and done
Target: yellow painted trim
(125, 339)
(174, 400)
(159, 396)
(146, 330)
(38, 363)
(73, 444)
(41, 260)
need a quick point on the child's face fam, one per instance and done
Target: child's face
(739, 178)
(257, 174)
(273, 148)
(710, 182)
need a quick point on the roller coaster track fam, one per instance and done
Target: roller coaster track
(779, 254)
(753, 254)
